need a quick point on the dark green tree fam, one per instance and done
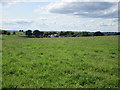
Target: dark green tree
(46, 34)
(38, 34)
(98, 33)
(69, 33)
(8, 33)
(118, 33)
(28, 33)
(19, 30)
(85, 34)
(14, 33)
(62, 33)
(4, 32)
(41, 34)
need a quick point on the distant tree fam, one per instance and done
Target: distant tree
(49, 33)
(98, 33)
(74, 35)
(78, 34)
(19, 30)
(37, 33)
(68, 33)
(8, 33)
(46, 34)
(14, 33)
(0, 31)
(85, 34)
(62, 33)
(118, 33)
(71, 34)
(4, 32)
(28, 33)
(41, 34)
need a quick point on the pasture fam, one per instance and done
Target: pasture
(69, 62)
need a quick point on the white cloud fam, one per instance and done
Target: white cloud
(90, 0)
(85, 9)
(82, 8)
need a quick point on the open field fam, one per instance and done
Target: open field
(72, 62)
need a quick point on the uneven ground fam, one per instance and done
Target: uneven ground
(73, 62)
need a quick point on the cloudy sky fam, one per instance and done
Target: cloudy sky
(59, 15)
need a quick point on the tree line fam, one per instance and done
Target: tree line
(41, 34)
(4, 32)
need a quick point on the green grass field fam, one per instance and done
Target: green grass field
(72, 62)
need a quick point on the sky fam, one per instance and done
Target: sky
(59, 15)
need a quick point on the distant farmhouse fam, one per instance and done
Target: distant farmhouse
(53, 35)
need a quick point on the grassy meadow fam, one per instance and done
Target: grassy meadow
(69, 62)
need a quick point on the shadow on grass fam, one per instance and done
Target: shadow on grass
(32, 37)
(27, 37)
